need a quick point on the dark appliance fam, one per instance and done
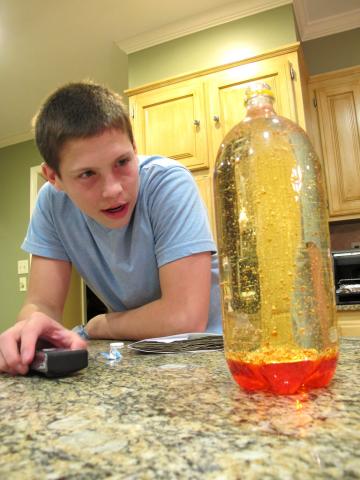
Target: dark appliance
(347, 276)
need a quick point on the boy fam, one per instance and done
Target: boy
(134, 227)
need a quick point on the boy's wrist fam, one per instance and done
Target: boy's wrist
(99, 327)
(82, 332)
(96, 327)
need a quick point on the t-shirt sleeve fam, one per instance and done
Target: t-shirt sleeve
(179, 218)
(41, 237)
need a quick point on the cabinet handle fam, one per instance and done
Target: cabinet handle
(216, 118)
(292, 72)
(197, 123)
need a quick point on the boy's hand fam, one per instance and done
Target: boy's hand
(17, 344)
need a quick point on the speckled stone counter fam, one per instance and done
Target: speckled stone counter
(177, 417)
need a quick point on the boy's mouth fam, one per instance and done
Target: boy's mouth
(115, 209)
(118, 212)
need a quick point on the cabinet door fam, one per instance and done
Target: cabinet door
(339, 125)
(204, 183)
(170, 121)
(226, 94)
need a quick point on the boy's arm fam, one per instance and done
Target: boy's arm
(39, 317)
(48, 286)
(183, 306)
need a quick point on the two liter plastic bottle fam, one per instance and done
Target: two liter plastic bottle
(275, 267)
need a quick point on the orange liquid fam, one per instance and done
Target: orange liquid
(284, 378)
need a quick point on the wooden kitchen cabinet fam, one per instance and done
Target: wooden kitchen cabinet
(336, 116)
(225, 93)
(187, 117)
(171, 121)
(349, 322)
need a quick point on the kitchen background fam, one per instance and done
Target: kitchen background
(45, 43)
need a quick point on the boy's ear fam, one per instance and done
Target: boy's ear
(51, 176)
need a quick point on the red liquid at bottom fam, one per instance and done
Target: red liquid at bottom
(284, 378)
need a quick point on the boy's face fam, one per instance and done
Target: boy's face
(100, 175)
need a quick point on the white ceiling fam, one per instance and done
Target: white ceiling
(318, 18)
(44, 42)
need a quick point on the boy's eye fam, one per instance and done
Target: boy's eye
(122, 162)
(86, 174)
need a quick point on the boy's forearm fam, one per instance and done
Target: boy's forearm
(155, 319)
(48, 286)
(183, 307)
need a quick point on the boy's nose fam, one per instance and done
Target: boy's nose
(111, 187)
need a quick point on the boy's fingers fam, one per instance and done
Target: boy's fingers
(29, 336)
(77, 342)
(49, 330)
(10, 359)
(4, 367)
(17, 345)
(68, 339)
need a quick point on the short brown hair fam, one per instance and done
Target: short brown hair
(77, 110)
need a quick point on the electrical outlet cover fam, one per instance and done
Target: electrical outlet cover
(23, 266)
(22, 284)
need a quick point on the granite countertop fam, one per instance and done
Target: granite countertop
(177, 417)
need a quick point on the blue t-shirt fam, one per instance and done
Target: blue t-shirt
(122, 265)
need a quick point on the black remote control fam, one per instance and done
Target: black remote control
(58, 362)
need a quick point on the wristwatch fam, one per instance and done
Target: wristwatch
(80, 330)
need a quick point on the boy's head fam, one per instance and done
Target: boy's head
(74, 111)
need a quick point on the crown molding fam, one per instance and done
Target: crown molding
(12, 139)
(214, 17)
(347, 73)
(309, 30)
(292, 47)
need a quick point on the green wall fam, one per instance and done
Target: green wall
(238, 40)
(15, 162)
(333, 52)
(232, 41)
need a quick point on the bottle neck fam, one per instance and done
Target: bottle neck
(260, 106)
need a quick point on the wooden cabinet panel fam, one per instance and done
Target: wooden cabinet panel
(170, 121)
(338, 109)
(204, 183)
(226, 91)
(349, 322)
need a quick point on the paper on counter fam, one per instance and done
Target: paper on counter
(185, 342)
